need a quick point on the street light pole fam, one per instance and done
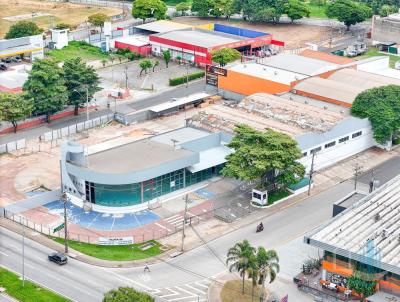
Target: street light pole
(184, 223)
(87, 103)
(23, 253)
(64, 198)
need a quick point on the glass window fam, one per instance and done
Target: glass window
(315, 150)
(343, 139)
(356, 134)
(331, 144)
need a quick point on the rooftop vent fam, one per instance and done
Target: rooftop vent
(384, 233)
(377, 217)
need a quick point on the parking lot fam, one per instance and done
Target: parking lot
(115, 76)
(14, 76)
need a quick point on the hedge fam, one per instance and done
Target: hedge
(182, 80)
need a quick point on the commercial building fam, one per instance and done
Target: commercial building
(365, 238)
(133, 43)
(133, 175)
(160, 26)
(196, 44)
(276, 74)
(29, 47)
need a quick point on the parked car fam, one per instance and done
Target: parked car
(58, 258)
(7, 60)
(3, 66)
(16, 59)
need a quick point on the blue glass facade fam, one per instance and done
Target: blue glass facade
(137, 193)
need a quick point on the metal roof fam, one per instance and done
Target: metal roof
(179, 102)
(362, 79)
(267, 72)
(329, 89)
(299, 64)
(202, 38)
(162, 26)
(368, 232)
(312, 140)
(319, 55)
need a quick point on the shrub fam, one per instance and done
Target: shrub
(182, 80)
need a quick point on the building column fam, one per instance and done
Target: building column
(184, 177)
(141, 192)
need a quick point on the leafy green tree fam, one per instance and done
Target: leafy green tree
(167, 57)
(23, 29)
(297, 9)
(363, 287)
(382, 107)
(46, 87)
(126, 294)
(98, 19)
(264, 264)
(268, 14)
(221, 8)
(63, 26)
(156, 63)
(349, 12)
(14, 107)
(202, 7)
(79, 80)
(240, 258)
(145, 65)
(144, 9)
(224, 56)
(256, 153)
(182, 7)
(386, 10)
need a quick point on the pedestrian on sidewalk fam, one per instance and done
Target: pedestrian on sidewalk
(146, 268)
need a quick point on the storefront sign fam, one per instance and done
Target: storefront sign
(115, 240)
(216, 70)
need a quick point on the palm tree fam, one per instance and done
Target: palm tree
(268, 266)
(240, 257)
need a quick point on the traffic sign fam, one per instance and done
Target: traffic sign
(59, 228)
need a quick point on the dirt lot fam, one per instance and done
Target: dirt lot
(72, 14)
(294, 35)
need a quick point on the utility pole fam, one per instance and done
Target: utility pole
(187, 74)
(64, 199)
(23, 252)
(372, 182)
(357, 172)
(184, 222)
(126, 77)
(311, 173)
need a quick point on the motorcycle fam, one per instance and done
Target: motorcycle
(260, 228)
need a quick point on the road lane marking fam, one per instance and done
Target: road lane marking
(3, 253)
(128, 279)
(163, 227)
(196, 289)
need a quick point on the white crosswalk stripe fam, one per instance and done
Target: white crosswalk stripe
(191, 292)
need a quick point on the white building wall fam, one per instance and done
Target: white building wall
(329, 156)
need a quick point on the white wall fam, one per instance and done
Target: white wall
(332, 155)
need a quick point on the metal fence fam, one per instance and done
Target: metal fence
(88, 235)
(54, 136)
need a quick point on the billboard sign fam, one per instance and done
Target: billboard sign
(115, 240)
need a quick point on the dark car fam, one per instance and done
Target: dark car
(58, 258)
(7, 60)
(3, 66)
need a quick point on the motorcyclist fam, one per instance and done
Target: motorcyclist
(260, 227)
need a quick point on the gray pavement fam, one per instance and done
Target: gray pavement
(83, 282)
(122, 107)
(384, 172)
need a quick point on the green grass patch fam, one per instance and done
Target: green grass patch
(317, 11)
(373, 52)
(114, 252)
(277, 195)
(78, 49)
(28, 293)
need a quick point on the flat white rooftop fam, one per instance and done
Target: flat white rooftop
(134, 40)
(368, 232)
(299, 64)
(268, 72)
(162, 26)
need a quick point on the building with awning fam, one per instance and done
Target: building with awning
(29, 47)
(133, 175)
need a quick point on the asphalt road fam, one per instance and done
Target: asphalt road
(82, 282)
(384, 172)
(122, 107)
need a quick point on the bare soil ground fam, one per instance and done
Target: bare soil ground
(294, 35)
(69, 13)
